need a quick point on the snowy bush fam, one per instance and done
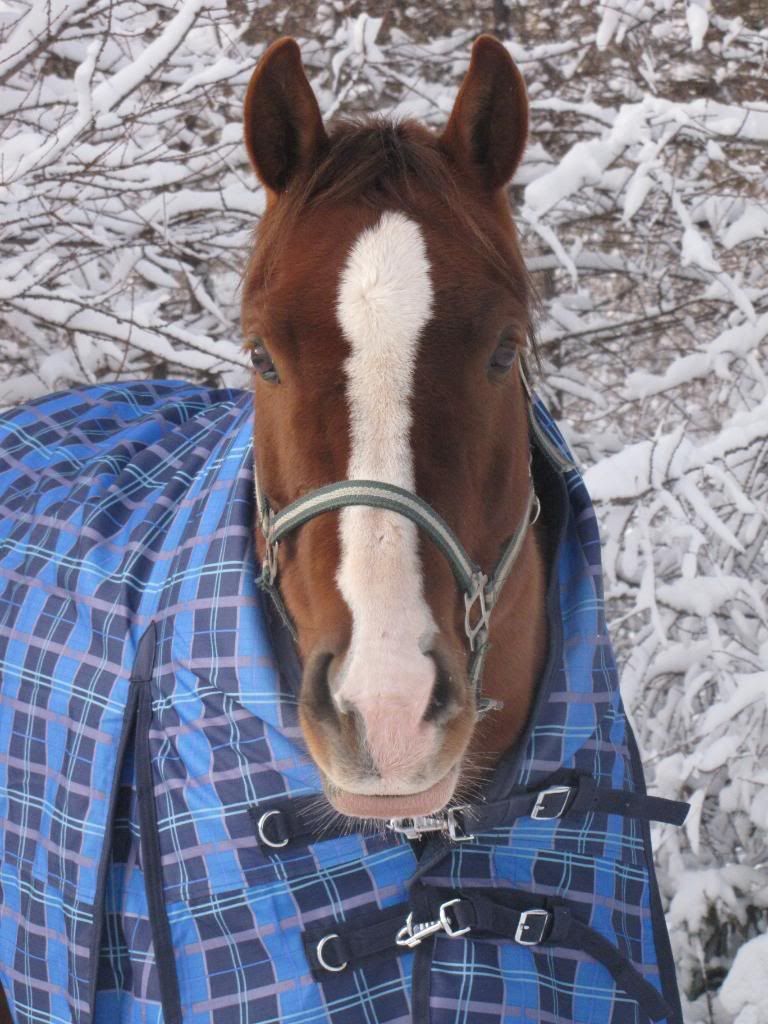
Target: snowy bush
(127, 209)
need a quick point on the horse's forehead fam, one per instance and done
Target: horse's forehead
(385, 292)
(327, 246)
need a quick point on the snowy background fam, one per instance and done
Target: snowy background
(126, 208)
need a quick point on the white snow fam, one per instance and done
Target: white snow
(746, 980)
(697, 250)
(703, 595)
(753, 223)
(114, 89)
(698, 22)
(717, 753)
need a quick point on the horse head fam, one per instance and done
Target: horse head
(387, 307)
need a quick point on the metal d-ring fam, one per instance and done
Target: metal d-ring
(335, 968)
(262, 832)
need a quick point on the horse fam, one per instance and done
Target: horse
(308, 708)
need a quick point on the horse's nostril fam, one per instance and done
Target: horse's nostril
(443, 703)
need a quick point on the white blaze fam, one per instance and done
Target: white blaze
(385, 299)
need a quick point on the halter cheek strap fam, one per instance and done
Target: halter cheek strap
(480, 591)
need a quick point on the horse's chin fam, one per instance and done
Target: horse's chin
(400, 805)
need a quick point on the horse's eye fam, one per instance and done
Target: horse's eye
(262, 362)
(505, 354)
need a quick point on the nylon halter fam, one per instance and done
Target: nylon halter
(480, 591)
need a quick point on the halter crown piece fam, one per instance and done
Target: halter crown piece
(480, 591)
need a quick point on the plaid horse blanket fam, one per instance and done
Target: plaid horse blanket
(163, 856)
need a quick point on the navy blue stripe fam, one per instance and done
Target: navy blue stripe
(666, 959)
(141, 678)
(127, 733)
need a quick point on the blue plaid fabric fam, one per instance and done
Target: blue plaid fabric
(129, 507)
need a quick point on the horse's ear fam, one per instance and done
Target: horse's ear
(488, 126)
(284, 132)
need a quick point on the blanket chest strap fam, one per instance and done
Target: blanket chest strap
(284, 822)
(334, 947)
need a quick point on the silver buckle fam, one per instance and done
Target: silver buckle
(477, 596)
(414, 828)
(412, 935)
(525, 925)
(541, 812)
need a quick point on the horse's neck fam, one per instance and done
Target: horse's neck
(518, 651)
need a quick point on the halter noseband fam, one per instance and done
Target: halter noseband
(480, 591)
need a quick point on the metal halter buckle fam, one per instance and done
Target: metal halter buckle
(543, 808)
(414, 828)
(476, 597)
(532, 927)
(412, 935)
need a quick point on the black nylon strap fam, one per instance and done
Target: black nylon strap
(628, 803)
(622, 971)
(278, 824)
(354, 943)
(585, 796)
(512, 915)
(484, 915)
